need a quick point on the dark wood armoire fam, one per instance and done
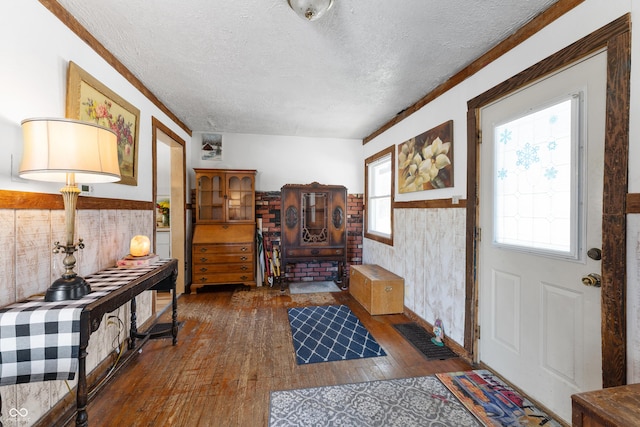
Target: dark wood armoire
(314, 225)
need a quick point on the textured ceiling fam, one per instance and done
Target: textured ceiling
(254, 66)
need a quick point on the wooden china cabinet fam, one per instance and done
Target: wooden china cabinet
(223, 250)
(314, 225)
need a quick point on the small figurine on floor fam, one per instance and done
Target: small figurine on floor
(438, 331)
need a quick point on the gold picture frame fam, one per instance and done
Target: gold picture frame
(89, 100)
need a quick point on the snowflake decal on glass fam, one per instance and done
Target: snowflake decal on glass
(553, 119)
(551, 173)
(552, 145)
(505, 136)
(502, 173)
(527, 156)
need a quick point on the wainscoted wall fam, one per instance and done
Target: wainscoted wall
(429, 253)
(633, 298)
(28, 266)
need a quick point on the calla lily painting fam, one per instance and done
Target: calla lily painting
(425, 162)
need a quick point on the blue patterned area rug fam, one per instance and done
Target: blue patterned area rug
(409, 402)
(328, 333)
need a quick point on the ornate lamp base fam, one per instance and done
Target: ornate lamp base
(67, 289)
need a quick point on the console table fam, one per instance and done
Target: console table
(63, 328)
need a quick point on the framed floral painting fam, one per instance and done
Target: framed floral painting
(425, 162)
(89, 100)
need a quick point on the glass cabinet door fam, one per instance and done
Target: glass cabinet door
(225, 196)
(210, 198)
(240, 198)
(314, 217)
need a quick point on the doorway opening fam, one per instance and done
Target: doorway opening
(169, 192)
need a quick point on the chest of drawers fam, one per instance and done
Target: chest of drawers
(223, 254)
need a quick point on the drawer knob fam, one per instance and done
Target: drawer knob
(203, 279)
(244, 277)
(388, 288)
(203, 259)
(225, 226)
(244, 249)
(243, 258)
(203, 269)
(203, 249)
(244, 268)
(315, 251)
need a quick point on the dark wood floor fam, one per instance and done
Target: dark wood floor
(233, 350)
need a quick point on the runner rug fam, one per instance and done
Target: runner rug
(329, 333)
(409, 402)
(493, 401)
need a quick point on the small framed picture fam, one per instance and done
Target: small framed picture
(211, 148)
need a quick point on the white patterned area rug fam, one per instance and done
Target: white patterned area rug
(312, 287)
(409, 402)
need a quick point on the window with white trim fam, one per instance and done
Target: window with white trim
(379, 189)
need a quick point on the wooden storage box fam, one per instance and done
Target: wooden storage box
(610, 407)
(378, 290)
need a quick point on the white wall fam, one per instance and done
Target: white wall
(163, 156)
(283, 160)
(35, 52)
(633, 221)
(440, 293)
(34, 55)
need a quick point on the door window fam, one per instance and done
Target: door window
(537, 180)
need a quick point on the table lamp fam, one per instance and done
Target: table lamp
(69, 151)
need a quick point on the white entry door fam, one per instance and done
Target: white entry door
(541, 169)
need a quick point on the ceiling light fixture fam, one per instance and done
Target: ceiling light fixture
(310, 9)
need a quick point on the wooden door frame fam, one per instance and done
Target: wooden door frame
(156, 126)
(615, 38)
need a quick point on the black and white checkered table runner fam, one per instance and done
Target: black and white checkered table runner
(40, 341)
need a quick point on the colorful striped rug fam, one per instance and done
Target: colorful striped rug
(492, 401)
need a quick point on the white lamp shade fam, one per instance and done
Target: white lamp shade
(54, 148)
(310, 9)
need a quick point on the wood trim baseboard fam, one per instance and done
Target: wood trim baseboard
(25, 200)
(430, 204)
(633, 203)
